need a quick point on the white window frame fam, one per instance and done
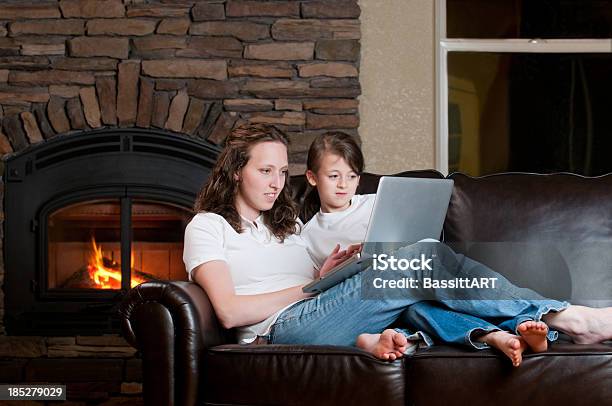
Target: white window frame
(445, 45)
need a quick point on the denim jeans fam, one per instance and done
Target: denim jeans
(338, 315)
(436, 321)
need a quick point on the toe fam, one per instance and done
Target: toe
(399, 339)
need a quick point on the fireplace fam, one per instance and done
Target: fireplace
(90, 215)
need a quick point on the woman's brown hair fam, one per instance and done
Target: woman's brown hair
(337, 143)
(219, 192)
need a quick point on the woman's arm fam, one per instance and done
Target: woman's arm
(240, 310)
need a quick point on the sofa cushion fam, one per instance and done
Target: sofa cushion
(552, 233)
(567, 374)
(299, 375)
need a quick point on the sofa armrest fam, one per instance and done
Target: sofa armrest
(171, 323)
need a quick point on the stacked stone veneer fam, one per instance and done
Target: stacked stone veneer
(192, 67)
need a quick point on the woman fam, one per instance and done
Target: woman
(243, 250)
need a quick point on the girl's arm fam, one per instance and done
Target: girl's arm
(240, 310)
(336, 257)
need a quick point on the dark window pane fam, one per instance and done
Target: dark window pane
(530, 112)
(529, 18)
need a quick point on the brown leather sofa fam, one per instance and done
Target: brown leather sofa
(549, 232)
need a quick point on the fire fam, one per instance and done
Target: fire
(103, 276)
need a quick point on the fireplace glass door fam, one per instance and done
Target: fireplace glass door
(113, 244)
(157, 247)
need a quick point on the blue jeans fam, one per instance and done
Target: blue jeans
(338, 315)
(435, 320)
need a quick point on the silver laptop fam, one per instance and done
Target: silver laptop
(406, 210)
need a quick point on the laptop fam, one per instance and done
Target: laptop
(406, 210)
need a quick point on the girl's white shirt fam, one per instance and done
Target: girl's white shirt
(258, 262)
(346, 227)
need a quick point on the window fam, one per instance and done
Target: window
(524, 85)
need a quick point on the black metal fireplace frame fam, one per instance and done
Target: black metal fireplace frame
(110, 163)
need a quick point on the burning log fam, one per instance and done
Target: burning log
(102, 273)
(111, 279)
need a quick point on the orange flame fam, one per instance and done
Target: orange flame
(104, 277)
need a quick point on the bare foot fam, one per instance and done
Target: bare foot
(510, 344)
(585, 325)
(534, 334)
(389, 346)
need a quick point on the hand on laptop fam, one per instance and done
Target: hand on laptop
(336, 257)
(354, 249)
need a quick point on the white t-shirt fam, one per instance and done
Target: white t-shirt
(325, 230)
(257, 261)
(347, 227)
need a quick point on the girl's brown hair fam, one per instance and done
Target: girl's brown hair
(337, 143)
(219, 192)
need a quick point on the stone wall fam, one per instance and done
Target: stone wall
(193, 67)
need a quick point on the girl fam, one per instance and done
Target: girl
(241, 247)
(336, 214)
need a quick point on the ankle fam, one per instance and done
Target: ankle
(490, 337)
(570, 321)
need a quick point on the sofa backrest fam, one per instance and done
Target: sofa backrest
(552, 233)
